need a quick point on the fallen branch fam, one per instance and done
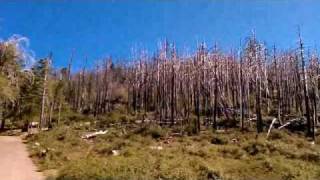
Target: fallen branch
(270, 127)
(92, 135)
(289, 122)
(252, 119)
(156, 147)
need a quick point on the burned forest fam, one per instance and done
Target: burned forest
(249, 87)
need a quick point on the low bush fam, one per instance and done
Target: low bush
(232, 152)
(154, 131)
(191, 129)
(219, 140)
(310, 157)
(255, 147)
(275, 135)
(113, 118)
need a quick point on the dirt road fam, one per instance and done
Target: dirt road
(15, 163)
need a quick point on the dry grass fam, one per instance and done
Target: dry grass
(229, 155)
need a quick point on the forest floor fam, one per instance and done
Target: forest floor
(15, 163)
(149, 152)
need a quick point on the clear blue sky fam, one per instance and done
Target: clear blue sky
(98, 28)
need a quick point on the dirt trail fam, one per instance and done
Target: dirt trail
(15, 163)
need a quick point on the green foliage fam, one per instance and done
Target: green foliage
(10, 61)
(30, 98)
(56, 90)
(10, 67)
(7, 92)
(114, 117)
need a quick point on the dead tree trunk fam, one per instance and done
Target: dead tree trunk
(241, 95)
(305, 91)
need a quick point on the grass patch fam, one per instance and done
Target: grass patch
(209, 155)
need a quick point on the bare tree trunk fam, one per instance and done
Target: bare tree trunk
(258, 90)
(315, 115)
(278, 84)
(258, 106)
(172, 94)
(42, 115)
(59, 112)
(50, 113)
(305, 92)
(241, 96)
(215, 101)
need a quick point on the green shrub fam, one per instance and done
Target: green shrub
(154, 131)
(206, 173)
(311, 157)
(53, 147)
(255, 147)
(219, 140)
(190, 128)
(157, 132)
(113, 118)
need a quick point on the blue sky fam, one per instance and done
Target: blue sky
(99, 28)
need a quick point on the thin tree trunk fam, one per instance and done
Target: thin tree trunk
(59, 112)
(42, 115)
(241, 97)
(305, 92)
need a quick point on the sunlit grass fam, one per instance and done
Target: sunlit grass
(228, 155)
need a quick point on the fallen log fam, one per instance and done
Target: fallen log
(94, 134)
(156, 147)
